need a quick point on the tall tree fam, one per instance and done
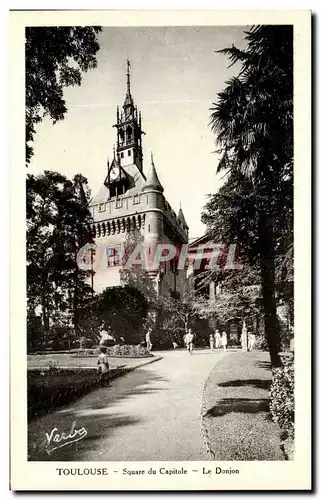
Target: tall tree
(253, 124)
(57, 227)
(55, 58)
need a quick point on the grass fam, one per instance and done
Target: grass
(236, 418)
(48, 390)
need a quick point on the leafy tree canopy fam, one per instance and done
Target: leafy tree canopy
(55, 58)
(58, 223)
(124, 309)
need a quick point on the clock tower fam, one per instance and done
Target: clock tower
(129, 130)
(130, 202)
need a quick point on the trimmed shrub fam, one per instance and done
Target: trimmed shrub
(128, 351)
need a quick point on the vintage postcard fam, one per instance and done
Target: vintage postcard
(160, 250)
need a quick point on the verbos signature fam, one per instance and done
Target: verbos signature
(60, 440)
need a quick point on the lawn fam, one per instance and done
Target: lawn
(70, 378)
(236, 421)
(35, 361)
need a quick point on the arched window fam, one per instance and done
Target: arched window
(129, 133)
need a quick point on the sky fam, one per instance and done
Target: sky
(175, 77)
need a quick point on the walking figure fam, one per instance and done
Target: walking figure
(217, 337)
(189, 340)
(103, 366)
(224, 340)
(212, 342)
(149, 345)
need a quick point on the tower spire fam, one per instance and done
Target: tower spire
(128, 76)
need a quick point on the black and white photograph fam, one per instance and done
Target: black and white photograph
(160, 247)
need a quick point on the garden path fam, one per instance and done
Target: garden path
(152, 413)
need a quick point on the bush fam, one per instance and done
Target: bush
(128, 351)
(282, 397)
(261, 343)
(163, 338)
(123, 310)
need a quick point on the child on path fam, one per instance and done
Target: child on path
(212, 342)
(103, 366)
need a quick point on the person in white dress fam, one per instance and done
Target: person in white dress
(212, 342)
(224, 340)
(149, 344)
(217, 338)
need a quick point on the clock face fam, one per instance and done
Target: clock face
(114, 173)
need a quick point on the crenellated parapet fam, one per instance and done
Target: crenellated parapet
(118, 226)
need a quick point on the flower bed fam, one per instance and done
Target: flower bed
(282, 402)
(126, 351)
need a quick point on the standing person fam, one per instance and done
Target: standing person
(212, 342)
(217, 338)
(149, 345)
(184, 339)
(103, 366)
(224, 340)
(251, 338)
(189, 339)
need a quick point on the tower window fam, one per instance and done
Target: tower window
(129, 134)
(149, 228)
(129, 152)
(122, 155)
(119, 203)
(136, 199)
(113, 257)
(102, 207)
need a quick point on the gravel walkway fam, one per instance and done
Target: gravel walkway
(153, 413)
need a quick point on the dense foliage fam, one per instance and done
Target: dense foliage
(57, 227)
(253, 124)
(124, 310)
(282, 398)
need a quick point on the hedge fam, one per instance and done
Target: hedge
(282, 397)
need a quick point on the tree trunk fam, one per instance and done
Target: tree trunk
(267, 266)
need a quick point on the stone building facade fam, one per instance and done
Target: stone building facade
(130, 202)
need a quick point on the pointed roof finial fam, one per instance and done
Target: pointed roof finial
(151, 158)
(128, 76)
